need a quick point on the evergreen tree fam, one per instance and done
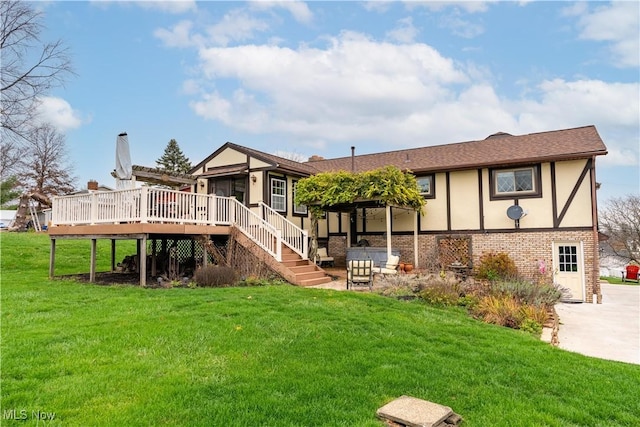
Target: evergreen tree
(8, 191)
(174, 159)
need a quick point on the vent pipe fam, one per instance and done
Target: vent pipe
(353, 158)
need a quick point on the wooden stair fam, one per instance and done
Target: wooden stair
(301, 272)
(293, 268)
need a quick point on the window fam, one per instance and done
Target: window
(425, 183)
(279, 194)
(298, 209)
(520, 182)
(568, 258)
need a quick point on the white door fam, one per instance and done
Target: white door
(568, 268)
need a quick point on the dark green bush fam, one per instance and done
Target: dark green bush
(215, 276)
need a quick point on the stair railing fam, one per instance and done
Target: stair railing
(292, 235)
(257, 229)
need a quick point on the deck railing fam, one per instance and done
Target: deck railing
(154, 205)
(292, 235)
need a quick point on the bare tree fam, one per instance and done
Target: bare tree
(30, 69)
(47, 170)
(290, 155)
(620, 220)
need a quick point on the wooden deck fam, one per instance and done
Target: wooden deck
(146, 214)
(123, 231)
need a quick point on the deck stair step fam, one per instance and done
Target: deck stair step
(302, 272)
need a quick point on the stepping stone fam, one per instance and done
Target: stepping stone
(414, 412)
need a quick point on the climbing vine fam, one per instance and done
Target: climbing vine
(389, 185)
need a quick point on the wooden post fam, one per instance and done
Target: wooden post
(388, 231)
(154, 254)
(142, 261)
(138, 255)
(52, 258)
(415, 239)
(113, 255)
(92, 268)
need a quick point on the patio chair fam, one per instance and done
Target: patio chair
(631, 273)
(322, 257)
(390, 267)
(359, 271)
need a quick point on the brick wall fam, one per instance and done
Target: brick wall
(526, 250)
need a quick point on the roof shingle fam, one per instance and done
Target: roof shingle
(500, 149)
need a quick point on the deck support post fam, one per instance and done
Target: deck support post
(142, 260)
(113, 255)
(154, 254)
(52, 258)
(205, 253)
(92, 267)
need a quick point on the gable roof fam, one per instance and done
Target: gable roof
(276, 162)
(501, 149)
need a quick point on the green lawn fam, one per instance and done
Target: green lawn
(271, 356)
(618, 281)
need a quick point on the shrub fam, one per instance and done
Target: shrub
(494, 266)
(535, 314)
(499, 310)
(506, 310)
(537, 294)
(399, 285)
(531, 326)
(440, 293)
(215, 276)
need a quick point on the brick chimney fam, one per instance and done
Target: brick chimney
(92, 185)
(315, 158)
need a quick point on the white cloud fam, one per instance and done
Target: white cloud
(466, 6)
(236, 25)
(178, 36)
(298, 9)
(379, 6)
(59, 113)
(397, 95)
(405, 32)
(612, 107)
(461, 27)
(168, 6)
(619, 24)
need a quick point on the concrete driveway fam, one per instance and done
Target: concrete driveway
(610, 330)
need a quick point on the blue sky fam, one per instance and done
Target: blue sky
(318, 77)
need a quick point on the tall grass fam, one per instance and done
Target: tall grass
(272, 356)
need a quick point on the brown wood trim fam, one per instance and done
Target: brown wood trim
(448, 191)
(480, 200)
(576, 187)
(554, 195)
(594, 220)
(486, 231)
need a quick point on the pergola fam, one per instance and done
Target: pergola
(157, 176)
(377, 203)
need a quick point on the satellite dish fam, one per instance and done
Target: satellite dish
(515, 212)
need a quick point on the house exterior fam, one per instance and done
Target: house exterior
(532, 196)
